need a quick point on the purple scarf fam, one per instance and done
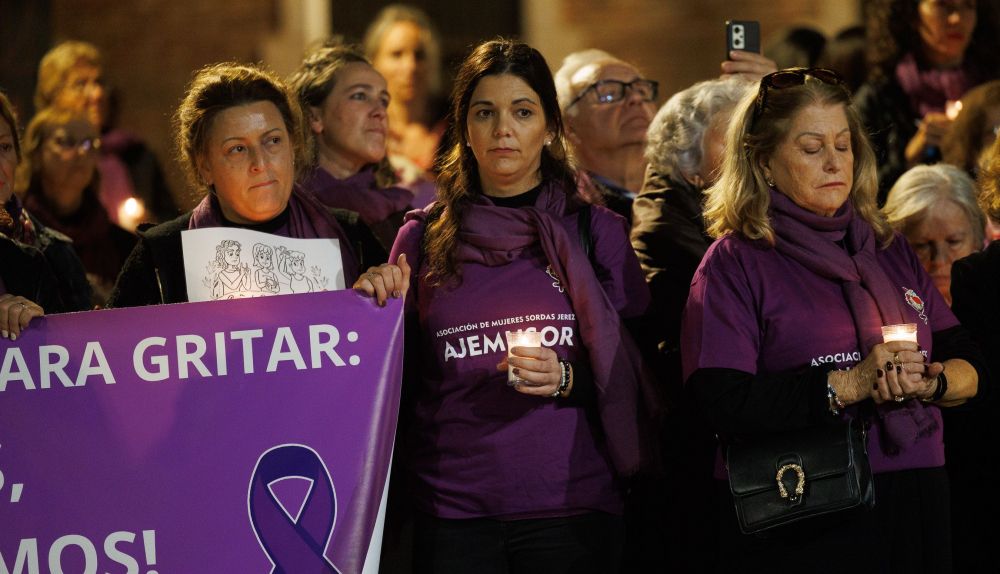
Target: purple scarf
(359, 193)
(930, 90)
(494, 236)
(873, 299)
(307, 219)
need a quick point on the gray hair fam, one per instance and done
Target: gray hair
(674, 138)
(917, 190)
(572, 64)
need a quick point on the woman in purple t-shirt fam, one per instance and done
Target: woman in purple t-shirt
(782, 329)
(523, 477)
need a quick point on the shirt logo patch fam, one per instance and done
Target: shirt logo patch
(914, 300)
(556, 283)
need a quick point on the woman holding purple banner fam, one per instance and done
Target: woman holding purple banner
(782, 329)
(40, 271)
(239, 132)
(522, 476)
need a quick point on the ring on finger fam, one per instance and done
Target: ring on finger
(895, 359)
(899, 399)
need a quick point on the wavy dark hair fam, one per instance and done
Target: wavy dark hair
(458, 178)
(892, 33)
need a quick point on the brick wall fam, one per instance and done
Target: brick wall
(152, 46)
(678, 42)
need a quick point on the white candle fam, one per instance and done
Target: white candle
(520, 339)
(902, 332)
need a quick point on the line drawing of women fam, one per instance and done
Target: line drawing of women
(292, 264)
(232, 276)
(264, 279)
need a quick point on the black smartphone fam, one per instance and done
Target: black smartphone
(742, 35)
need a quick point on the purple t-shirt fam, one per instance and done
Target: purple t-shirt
(755, 310)
(480, 448)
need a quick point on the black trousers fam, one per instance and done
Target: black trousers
(582, 544)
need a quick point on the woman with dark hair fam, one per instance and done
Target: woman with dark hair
(923, 55)
(522, 476)
(59, 182)
(782, 330)
(239, 136)
(40, 270)
(345, 100)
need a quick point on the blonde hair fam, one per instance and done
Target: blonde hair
(56, 65)
(989, 182)
(923, 186)
(739, 200)
(394, 14)
(39, 129)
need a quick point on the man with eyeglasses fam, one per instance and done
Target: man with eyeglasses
(607, 106)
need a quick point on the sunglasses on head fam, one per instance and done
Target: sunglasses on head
(790, 78)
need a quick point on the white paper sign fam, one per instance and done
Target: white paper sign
(231, 263)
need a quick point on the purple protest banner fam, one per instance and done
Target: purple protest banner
(251, 435)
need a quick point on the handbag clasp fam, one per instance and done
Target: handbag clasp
(800, 486)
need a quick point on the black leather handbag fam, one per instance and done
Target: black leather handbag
(786, 477)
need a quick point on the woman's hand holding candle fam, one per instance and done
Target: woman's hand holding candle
(537, 369)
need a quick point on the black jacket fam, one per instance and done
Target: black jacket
(154, 272)
(891, 123)
(48, 272)
(668, 235)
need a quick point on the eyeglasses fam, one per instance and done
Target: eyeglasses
(611, 91)
(67, 146)
(945, 8)
(788, 79)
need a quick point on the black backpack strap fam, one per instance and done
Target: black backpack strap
(583, 227)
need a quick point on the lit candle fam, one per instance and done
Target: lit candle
(902, 332)
(130, 213)
(520, 339)
(952, 108)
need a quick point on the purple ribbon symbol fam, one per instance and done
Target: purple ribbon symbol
(293, 544)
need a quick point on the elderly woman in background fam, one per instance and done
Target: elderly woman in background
(520, 477)
(782, 329)
(685, 149)
(607, 106)
(974, 433)
(40, 270)
(71, 77)
(975, 128)
(923, 55)
(405, 48)
(59, 183)
(934, 207)
(240, 135)
(345, 101)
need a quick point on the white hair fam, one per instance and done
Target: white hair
(917, 190)
(674, 138)
(572, 64)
